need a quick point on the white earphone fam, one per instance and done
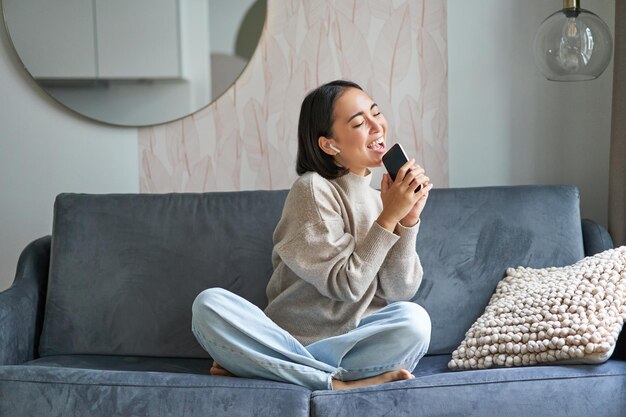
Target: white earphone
(331, 146)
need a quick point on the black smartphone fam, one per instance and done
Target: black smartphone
(393, 159)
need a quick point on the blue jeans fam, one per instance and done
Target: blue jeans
(243, 340)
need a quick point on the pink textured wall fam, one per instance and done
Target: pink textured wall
(397, 50)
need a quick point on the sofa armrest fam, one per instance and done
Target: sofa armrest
(22, 305)
(596, 238)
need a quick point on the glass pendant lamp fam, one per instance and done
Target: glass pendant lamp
(573, 44)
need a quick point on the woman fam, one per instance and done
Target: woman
(344, 263)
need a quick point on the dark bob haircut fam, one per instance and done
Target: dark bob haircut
(316, 119)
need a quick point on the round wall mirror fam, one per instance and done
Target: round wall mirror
(135, 62)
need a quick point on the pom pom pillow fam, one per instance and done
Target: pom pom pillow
(571, 314)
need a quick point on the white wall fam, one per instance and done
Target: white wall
(507, 124)
(45, 150)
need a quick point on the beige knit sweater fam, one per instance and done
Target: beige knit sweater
(333, 264)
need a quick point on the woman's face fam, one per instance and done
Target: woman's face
(359, 131)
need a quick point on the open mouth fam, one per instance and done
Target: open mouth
(377, 145)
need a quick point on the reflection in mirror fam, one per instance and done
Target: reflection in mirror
(139, 62)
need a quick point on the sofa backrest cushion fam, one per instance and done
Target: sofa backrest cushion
(125, 269)
(470, 236)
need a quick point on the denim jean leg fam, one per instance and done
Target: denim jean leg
(242, 339)
(393, 338)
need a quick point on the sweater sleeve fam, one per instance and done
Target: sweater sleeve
(401, 273)
(312, 241)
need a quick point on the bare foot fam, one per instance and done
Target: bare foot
(217, 370)
(390, 376)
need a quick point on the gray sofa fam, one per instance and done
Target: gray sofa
(97, 322)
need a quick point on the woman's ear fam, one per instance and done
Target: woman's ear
(327, 146)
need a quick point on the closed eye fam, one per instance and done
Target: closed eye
(363, 122)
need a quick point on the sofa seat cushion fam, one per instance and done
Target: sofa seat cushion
(574, 390)
(39, 389)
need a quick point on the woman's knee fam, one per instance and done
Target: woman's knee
(209, 302)
(416, 321)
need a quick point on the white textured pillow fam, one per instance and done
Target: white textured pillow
(571, 314)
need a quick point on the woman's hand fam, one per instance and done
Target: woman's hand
(401, 204)
(414, 214)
